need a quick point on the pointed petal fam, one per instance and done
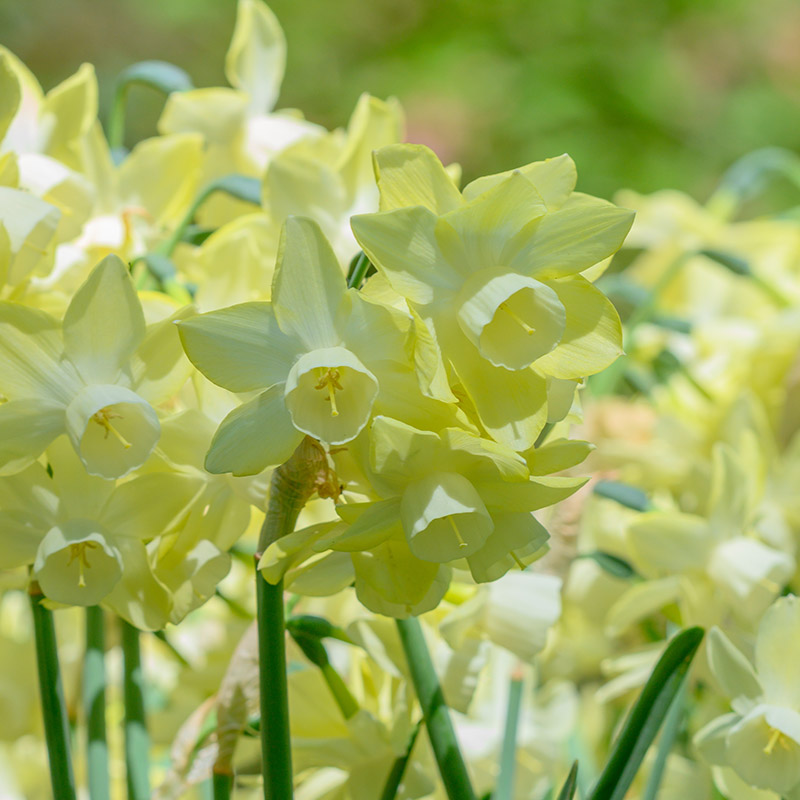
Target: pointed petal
(31, 364)
(667, 543)
(640, 601)
(479, 233)
(149, 505)
(256, 435)
(592, 338)
(20, 534)
(529, 495)
(159, 367)
(402, 244)
(26, 428)
(256, 58)
(520, 535)
(240, 348)
(554, 179)
(104, 323)
(10, 93)
(308, 289)
(161, 175)
(412, 175)
(571, 239)
(139, 597)
(511, 405)
(70, 109)
(369, 524)
(731, 669)
(777, 647)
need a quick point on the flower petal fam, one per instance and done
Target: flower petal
(308, 288)
(104, 323)
(256, 58)
(571, 239)
(254, 436)
(402, 244)
(26, 428)
(412, 175)
(777, 647)
(240, 348)
(592, 338)
(731, 669)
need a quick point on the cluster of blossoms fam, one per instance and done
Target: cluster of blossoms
(179, 320)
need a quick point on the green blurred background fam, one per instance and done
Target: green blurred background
(646, 95)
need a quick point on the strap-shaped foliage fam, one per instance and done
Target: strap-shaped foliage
(646, 716)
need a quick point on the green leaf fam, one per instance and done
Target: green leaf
(159, 75)
(613, 565)
(624, 494)
(196, 234)
(239, 186)
(160, 267)
(736, 264)
(570, 784)
(646, 716)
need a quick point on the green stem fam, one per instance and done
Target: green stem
(168, 247)
(291, 486)
(508, 753)
(137, 741)
(56, 725)
(222, 784)
(434, 709)
(94, 702)
(398, 769)
(116, 120)
(276, 750)
(360, 267)
(344, 699)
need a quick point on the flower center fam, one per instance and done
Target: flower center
(329, 379)
(78, 552)
(517, 318)
(777, 738)
(103, 417)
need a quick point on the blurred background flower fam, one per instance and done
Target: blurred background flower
(642, 95)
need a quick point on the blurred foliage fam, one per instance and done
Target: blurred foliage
(642, 95)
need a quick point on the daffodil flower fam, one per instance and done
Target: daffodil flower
(241, 130)
(321, 356)
(96, 376)
(84, 536)
(444, 497)
(760, 739)
(493, 273)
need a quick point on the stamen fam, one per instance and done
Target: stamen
(78, 551)
(518, 319)
(461, 542)
(773, 740)
(330, 380)
(516, 558)
(102, 418)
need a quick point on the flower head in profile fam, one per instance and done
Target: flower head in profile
(319, 354)
(760, 739)
(96, 376)
(493, 274)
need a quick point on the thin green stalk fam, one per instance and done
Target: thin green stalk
(291, 486)
(222, 784)
(168, 247)
(116, 119)
(94, 703)
(508, 753)
(56, 725)
(434, 709)
(341, 694)
(395, 776)
(137, 741)
(359, 271)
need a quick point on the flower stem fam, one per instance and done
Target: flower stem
(137, 741)
(395, 776)
(508, 754)
(56, 725)
(434, 709)
(94, 702)
(291, 486)
(222, 784)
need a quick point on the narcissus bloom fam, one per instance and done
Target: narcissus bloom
(760, 739)
(95, 376)
(493, 275)
(318, 353)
